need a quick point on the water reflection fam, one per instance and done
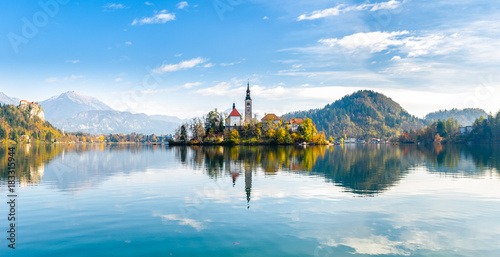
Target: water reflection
(140, 200)
(363, 170)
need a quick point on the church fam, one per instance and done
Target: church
(235, 119)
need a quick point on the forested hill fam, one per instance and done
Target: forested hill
(465, 117)
(16, 122)
(364, 114)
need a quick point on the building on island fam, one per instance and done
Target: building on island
(272, 118)
(234, 118)
(295, 123)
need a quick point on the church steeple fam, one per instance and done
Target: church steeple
(248, 91)
(234, 106)
(248, 105)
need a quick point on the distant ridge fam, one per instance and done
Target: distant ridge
(4, 99)
(69, 104)
(465, 117)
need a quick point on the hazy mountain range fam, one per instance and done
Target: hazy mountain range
(465, 117)
(4, 99)
(74, 111)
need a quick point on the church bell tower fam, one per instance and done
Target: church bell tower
(248, 105)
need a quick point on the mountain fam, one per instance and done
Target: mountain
(74, 111)
(167, 118)
(364, 114)
(465, 117)
(69, 104)
(4, 99)
(116, 122)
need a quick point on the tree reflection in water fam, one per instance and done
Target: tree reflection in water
(360, 169)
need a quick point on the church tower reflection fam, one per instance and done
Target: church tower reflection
(248, 184)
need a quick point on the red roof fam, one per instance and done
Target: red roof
(235, 113)
(270, 116)
(296, 121)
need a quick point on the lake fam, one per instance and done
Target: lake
(352, 200)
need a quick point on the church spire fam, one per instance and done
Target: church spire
(234, 106)
(248, 91)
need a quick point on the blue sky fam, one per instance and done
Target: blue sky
(185, 58)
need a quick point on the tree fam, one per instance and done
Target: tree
(214, 122)
(48, 136)
(196, 128)
(234, 136)
(281, 135)
(3, 133)
(183, 133)
(308, 130)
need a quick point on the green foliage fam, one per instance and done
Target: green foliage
(3, 133)
(308, 130)
(465, 117)
(48, 137)
(234, 137)
(183, 133)
(16, 122)
(214, 122)
(437, 132)
(486, 130)
(364, 114)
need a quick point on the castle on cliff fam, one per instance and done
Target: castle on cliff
(34, 109)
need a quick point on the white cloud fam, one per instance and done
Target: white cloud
(221, 89)
(265, 18)
(342, 8)
(321, 14)
(159, 18)
(390, 5)
(115, 6)
(118, 79)
(148, 3)
(65, 79)
(73, 61)
(208, 65)
(191, 84)
(396, 58)
(232, 63)
(128, 43)
(51, 80)
(373, 41)
(182, 5)
(180, 66)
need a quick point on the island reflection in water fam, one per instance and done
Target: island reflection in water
(364, 170)
(153, 200)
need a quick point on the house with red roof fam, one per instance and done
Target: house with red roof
(270, 118)
(234, 119)
(294, 124)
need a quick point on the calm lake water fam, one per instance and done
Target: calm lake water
(138, 200)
